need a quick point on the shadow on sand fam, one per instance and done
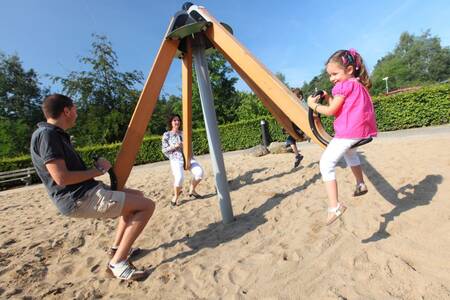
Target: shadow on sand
(405, 198)
(217, 233)
(247, 177)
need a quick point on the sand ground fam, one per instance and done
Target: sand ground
(392, 243)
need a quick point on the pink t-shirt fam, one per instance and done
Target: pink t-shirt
(356, 117)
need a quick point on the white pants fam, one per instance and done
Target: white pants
(333, 153)
(178, 171)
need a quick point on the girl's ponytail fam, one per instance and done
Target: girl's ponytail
(360, 69)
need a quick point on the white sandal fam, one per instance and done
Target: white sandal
(126, 271)
(336, 211)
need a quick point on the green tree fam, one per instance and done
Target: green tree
(226, 100)
(15, 137)
(20, 100)
(415, 60)
(282, 78)
(320, 82)
(251, 107)
(104, 96)
(164, 107)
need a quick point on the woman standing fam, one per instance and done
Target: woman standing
(172, 147)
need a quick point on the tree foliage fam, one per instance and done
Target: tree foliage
(20, 100)
(416, 60)
(165, 106)
(282, 78)
(251, 107)
(226, 100)
(320, 82)
(105, 97)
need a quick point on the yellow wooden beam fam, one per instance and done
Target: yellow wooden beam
(281, 118)
(262, 78)
(143, 111)
(186, 75)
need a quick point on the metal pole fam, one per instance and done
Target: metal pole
(265, 133)
(212, 132)
(387, 88)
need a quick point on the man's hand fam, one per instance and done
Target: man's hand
(102, 164)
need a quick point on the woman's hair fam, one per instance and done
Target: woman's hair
(53, 105)
(170, 119)
(352, 58)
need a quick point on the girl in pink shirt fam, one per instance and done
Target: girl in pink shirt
(354, 114)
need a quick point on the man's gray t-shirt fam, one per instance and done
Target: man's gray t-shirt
(48, 143)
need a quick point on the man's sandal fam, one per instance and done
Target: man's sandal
(337, 212)
(126, 271)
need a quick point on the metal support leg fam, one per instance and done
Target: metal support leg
(212, 132)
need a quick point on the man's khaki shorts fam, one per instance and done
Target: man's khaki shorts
(99, 202)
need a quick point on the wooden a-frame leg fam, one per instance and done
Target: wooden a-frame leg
(143, 111)
(186, 75)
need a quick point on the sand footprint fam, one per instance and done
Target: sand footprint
(8, 243)
(238, 274)
(217, 274)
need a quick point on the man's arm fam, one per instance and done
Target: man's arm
(58, 170)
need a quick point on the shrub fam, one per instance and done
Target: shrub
(427, 106)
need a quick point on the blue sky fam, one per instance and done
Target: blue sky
(291, 37)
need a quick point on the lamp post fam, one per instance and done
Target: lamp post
(387, 87)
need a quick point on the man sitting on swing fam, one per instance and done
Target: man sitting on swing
(75, 193)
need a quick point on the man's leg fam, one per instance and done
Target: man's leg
(136, 212)
(122, 223)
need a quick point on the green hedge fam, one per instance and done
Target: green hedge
(424, 107)
(427, 106)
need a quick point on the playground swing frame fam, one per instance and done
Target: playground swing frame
(190, 32)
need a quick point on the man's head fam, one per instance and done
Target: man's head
(60, 109)
(298, 92)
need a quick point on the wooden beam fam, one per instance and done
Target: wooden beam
(279, 116)
(186, 75)
(262, 78)
(143, 111)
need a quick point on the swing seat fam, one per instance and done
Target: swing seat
(362, 142)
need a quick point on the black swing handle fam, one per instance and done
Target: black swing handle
(112, 175)
(316, 133)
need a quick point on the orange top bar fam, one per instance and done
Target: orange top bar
(267, 83)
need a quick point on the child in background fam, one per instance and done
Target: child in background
(354, 114)
(290, 141)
